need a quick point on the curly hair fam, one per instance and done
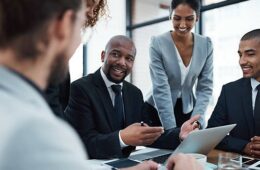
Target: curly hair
(99, 11)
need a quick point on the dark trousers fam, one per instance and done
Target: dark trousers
(178, 112)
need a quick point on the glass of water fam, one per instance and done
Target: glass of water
(229, 161)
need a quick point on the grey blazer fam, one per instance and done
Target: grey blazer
(31, 137)
(166, 78)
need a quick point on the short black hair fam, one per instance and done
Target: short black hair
(194, 4)
(24, 22)
(251, 35)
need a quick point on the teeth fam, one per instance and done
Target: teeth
(118, 70)
(246, 68)
(182, 29)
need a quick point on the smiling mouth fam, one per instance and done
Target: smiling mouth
(246, 69)
(118, 71)
(182, 29)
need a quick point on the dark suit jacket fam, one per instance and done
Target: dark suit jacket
(90, 111)
(235, 106)
(57, 96)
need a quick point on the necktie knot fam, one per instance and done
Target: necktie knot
(116, 88)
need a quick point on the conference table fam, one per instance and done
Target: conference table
(212, 157)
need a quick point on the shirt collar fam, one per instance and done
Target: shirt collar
(254, 83)
(108, 82)
(31, 83)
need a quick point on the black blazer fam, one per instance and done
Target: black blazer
(57, 96)
(90, 111)
(235, 106)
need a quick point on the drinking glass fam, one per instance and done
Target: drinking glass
(229, 161)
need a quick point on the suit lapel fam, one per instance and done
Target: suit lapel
(247, 104)
(105, 98)
(173, 61)
(127, 105)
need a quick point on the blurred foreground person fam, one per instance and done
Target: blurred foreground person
(57, 95)
(34, 50)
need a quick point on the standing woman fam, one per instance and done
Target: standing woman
(180, 61)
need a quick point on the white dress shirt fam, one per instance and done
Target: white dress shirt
(183, 68)
(254, 84)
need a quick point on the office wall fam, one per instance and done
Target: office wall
(108, 27)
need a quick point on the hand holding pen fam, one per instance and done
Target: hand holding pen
(140, 134)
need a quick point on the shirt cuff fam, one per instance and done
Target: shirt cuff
(122, 144)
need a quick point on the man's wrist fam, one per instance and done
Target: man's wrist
(122, 143)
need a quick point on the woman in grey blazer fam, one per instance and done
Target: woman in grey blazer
(181, 68)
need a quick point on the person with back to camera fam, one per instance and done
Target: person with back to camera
(57, 95)
(31, 136)
(179, 59)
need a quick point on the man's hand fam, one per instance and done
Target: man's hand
(146, 165)
(183, 162)
(253, 147)
(247, 149)
(137, 135)
(189, 126)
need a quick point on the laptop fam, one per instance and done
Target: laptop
(201, 141)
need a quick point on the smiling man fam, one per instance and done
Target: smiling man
(239, 101)
(106, 110)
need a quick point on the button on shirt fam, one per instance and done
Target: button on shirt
(108, 84)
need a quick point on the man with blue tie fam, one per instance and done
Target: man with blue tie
(239, 101)
(106, 110)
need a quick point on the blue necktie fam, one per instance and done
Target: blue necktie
(118, 106)
(257, 112)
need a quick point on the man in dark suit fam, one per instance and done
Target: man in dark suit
(93, 113)
(239, 101)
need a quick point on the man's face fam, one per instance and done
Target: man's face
(118, 60)
(59, 68)
(249, 53)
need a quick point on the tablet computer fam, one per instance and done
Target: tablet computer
(203, 141)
